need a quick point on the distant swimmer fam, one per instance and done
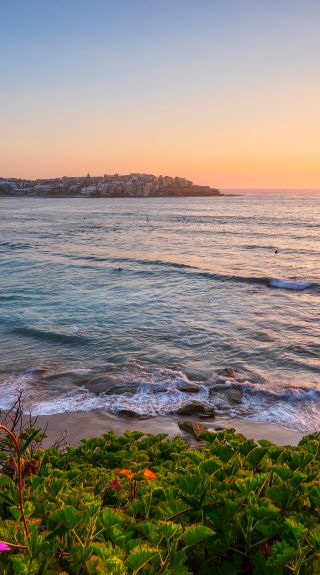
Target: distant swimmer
(119, 269)
(276, 251)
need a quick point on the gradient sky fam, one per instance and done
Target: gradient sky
(224, 92)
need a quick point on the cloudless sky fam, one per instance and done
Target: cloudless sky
(224, 92)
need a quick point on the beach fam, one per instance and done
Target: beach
(83, 425)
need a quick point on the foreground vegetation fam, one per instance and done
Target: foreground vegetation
(146, 504)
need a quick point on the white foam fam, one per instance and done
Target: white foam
(163, 392)
(71, 402)
(290, 284)
(80, 371)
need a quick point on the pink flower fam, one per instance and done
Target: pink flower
(114, 484)
(4, 546)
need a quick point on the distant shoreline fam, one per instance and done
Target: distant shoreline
(18, 197)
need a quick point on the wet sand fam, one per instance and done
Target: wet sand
(82, 425)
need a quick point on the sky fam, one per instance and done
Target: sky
(223, 92)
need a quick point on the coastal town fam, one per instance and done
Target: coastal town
(116, 185)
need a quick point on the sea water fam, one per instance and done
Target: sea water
(139, 303)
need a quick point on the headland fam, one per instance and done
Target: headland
(133, 185)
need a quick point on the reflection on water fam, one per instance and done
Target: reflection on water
(179, 286)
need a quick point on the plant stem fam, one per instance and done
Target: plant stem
(18, 451)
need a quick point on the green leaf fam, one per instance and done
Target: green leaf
(140, 556)
(16, 513)
(254, 457)
(56, 533)
(30, 438)
(223, 451)
(283, 472)
(297, 529)
(177, 564)
(194, 457)
(314, 495)
(68, 517)
(56, 486)
(278, 494)
(210, 466)
(9, 500)
(195, 534)
(191, 484)
(282, 554)
(169, 530)
(314, 537)
(23, 565)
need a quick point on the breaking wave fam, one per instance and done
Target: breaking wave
(138, 391)
(55, 336)
(293, 283)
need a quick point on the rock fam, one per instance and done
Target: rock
(234, 394)
(120, 390)
(219, 428)
(210, 413)
(128, 412)
(196, 429)
(196, 408)
(189, 388)
(227, 372)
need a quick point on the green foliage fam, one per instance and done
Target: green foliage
(147, 505)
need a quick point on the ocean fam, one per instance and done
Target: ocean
(141, 305)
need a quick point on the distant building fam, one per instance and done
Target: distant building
(88, 190)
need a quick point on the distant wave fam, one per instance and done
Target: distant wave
(11, 297)
(14, 246)
(134, 260)
(283, 283)
(50, 335)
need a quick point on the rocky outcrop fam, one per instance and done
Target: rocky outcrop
(128, 412)
(193, 427)
(188, 388)
(234, 394)
(228, 372)
(196, 408)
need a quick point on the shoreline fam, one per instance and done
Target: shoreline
(86, 424)
(119, 196)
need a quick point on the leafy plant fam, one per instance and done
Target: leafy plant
(145, 505)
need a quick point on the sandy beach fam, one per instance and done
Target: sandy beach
(82, 425)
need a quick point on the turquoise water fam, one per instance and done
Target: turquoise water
(138, 303)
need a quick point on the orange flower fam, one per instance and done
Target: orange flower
(126, 472)
(148, 474)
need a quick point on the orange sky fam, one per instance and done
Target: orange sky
(218, 94)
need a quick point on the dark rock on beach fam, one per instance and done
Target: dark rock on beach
(128, 412)
(193, 427)
(196, 408)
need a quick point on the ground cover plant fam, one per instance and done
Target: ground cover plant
(145, 504)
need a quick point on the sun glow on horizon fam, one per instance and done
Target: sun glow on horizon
(220, 95)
